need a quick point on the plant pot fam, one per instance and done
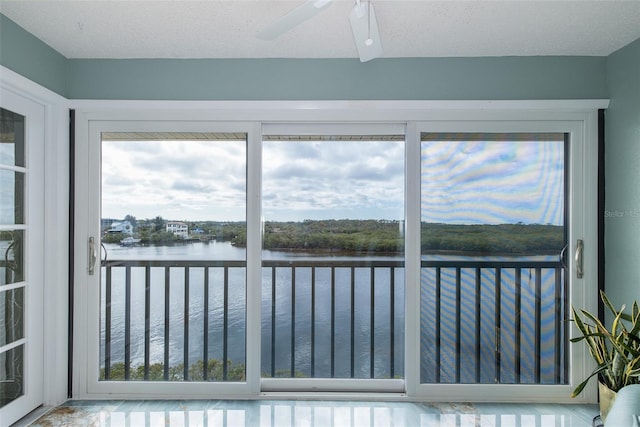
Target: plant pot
(607, 396)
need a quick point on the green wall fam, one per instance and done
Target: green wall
(537, 77)
(622, 176)
(23, 53)
(341, 79)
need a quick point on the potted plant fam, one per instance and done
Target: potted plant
(616, 351)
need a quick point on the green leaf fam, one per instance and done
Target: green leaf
(583, 384)
(615, 350)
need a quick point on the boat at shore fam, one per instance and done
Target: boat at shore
(129, 241)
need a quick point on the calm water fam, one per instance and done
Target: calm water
(236, 319)
(284, 308)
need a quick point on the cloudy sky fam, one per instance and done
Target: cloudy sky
(205, 180)
(177, 180)
(333, 179)
(493, 182)
(462, 182)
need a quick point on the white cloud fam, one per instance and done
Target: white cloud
(461, 182)
(190, 180)
(333, 179)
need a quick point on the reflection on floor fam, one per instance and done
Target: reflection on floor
(290, 413)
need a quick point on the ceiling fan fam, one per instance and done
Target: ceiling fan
(364, 25)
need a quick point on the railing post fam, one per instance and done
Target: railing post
(185, 350)
(333, 321)
(518, 323)
(313, 322)
(127, 324)
(273, 322)
(293, 322)
(372, 325)
(352, 337)
(167, 290)
(538, 317)
(558, 313)
(498, 322)
(478, 325)
(438, 319)
(392, 321)
(458, 323)
(147, 320)
(205, 327)
(225, 326)
(107, 325)
(565, 309)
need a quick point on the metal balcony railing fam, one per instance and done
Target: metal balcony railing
(345, 319)
(166, 268)
(359, 319)
(494, 322)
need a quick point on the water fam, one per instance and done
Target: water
(237, 314)
(362, 363)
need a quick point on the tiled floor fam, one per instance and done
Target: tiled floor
(289, 413)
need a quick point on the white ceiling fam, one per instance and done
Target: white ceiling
(409, 28)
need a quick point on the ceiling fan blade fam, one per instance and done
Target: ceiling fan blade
(294, 17)
(365, 31)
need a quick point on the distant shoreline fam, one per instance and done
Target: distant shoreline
(338, 253)
(375, 237)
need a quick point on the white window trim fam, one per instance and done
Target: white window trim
(583, 113)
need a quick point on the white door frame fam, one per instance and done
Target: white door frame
(55, 207)
(581, 115)
(33, 228)
(582, 217)
(87, 325)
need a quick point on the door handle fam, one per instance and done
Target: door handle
(93, 256)
(563, 254)
(579, 265)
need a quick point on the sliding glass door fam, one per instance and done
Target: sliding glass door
(333, 258)
(167, 256)
(424, 259)
(496, 224)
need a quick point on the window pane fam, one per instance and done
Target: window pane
(11, 138)
(333, 263)
(11, 312)
(12, 200)
(12, 253)
(493, 298)
(174, 281)
(11, 375)
(11, 197)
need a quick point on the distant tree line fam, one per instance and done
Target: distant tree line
(334, 235)
(500, 239)
(388, 237)
(379, 236)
